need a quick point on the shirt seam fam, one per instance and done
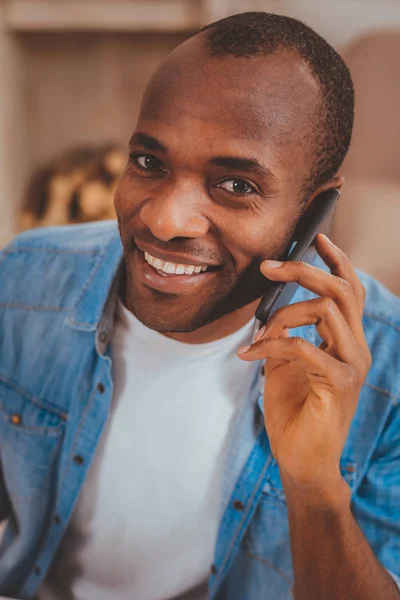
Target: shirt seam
(87, 285)
(243, 521)
(386, 393)
(382, 320)
(39, 249)
(25, 499)
(265, 562)
(35, 307)
(368, 460)
(44, 405)
(79, 429)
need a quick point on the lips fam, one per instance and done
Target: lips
(174, 258)
(168, 283)
(171, 268)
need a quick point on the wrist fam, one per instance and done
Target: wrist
(330, 495)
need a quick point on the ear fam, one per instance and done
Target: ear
(334, 183)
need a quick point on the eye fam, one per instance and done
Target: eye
(148, 162)
(237, 186)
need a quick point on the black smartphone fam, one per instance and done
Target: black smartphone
(317, 219)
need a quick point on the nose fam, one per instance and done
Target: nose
(176, 212)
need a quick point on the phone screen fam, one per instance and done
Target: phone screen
(317, 219)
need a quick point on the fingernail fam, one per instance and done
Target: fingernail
(272, 264)
(243, 349)
(260, 334)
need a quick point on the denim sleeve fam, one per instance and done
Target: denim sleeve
(376, 505)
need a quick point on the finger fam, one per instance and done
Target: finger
(322, 284)
(314, 361)
(271, 364)
(329, 322)
(341, 266)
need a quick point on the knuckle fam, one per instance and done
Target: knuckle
(348, 380)
(354, 378)
(357, 373)
(300, 268)
(328, 305)
(296, 343)
(303, 266)
(345, 287)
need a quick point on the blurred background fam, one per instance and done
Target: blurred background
(71, 77)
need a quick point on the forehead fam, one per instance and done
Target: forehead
(265, 98)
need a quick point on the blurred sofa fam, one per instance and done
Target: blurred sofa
(367, 224)
(367, 227)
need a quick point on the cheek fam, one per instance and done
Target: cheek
(255, 240)
(126, 197)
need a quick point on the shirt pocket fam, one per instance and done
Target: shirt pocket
(267, 540)
(30, 435)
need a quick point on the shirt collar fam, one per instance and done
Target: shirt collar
(89, 309)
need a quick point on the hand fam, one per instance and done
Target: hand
(311, 393)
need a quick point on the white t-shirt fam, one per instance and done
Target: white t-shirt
(146, 522)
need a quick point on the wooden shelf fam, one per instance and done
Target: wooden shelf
(169, 16)
(103, 15)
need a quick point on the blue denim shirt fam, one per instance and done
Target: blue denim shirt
(57, 298)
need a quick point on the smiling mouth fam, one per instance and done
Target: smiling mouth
(173, 282)
(168, 269)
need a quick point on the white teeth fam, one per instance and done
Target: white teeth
(168, 267)
(157, 263)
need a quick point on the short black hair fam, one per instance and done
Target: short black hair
(259, 33)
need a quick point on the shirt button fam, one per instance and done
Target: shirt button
(78, 459)
(349, 468)
(37, 571)
(16, 419)
(238, 505)
(57, 519)
(101, 388)
(214, 569)
(263, 370)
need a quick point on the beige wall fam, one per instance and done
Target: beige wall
(86, 87)
(13, 169)
(60, 87)
(338, 21)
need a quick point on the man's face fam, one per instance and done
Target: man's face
(217, 160)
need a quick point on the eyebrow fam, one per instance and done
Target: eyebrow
(233, 163)
(148, 142)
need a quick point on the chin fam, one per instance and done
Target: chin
(164, 320)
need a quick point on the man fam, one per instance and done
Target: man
(143, 454)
